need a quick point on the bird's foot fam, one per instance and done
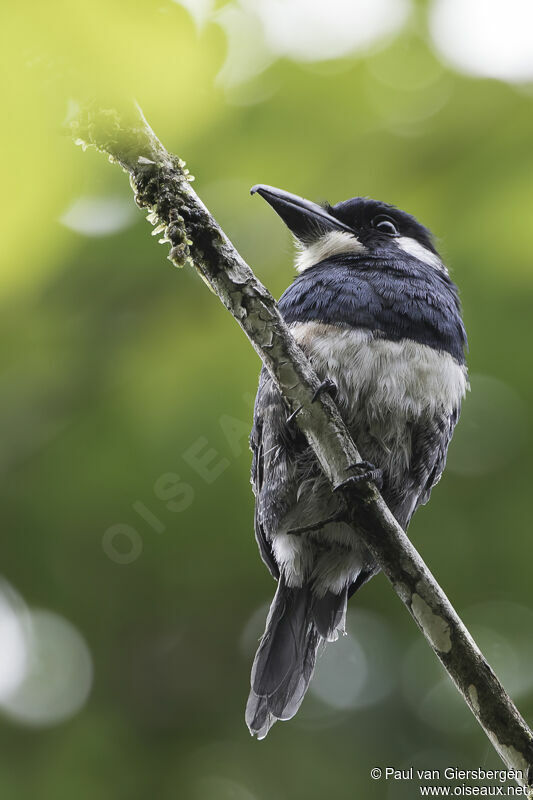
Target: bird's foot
(339, 517)
(364, 472)
(328, 386)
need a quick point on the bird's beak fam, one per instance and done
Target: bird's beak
(304, 219)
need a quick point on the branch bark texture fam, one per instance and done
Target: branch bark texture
(162, 185)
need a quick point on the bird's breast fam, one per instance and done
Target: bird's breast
(402, 378)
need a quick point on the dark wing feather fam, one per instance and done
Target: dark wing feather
(256, 447)
(430, 448)
(274, 446)
(429, 445)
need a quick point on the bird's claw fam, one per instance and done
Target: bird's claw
(328, 386)
(364, 472)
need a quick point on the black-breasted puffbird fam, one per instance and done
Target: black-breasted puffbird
(375, 310)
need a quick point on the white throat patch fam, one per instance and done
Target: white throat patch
(330, 244)
(420, 252)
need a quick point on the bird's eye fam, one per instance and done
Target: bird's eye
(385, 225)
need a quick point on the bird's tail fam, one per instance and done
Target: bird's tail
(283, 666)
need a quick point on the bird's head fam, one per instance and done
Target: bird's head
(357, 226)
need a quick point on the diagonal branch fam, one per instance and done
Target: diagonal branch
(162, 184)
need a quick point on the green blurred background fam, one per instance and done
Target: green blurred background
(132, 593)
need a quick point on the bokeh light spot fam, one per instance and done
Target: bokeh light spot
(58, 677)
(99, 216)
(341, 673)
(505, 642)
(319, 31)
(407, 64)
(260, 31)
(247, 53)
(199, 10)
(485, 37)
(13, 640)
(356, 671)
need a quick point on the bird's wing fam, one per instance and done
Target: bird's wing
(257, 479)
(430, 437)
(273, 471)
(429, 450)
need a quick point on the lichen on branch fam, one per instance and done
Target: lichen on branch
(159, 180)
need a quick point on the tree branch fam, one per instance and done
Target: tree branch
(162, 184)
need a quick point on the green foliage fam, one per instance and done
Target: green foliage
(120, 376)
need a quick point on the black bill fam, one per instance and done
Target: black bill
(306, 220)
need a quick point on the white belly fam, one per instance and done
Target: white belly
(402, 378)
(383, 387)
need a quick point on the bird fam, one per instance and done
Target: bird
(374, 309)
